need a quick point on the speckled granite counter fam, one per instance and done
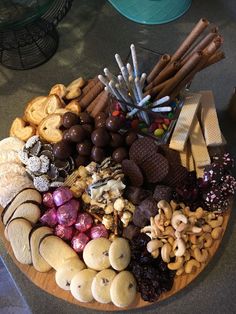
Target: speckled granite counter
(90, 35)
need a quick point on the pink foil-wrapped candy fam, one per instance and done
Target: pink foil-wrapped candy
(62, 195)
(98, 231)
(50, 217)
(66, 233)
(68, 212)
(48, 200)
(79, 242)
(84, 222)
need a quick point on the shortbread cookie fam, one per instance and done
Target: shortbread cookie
(96, 254)
(11, 143)
(81, 283)
(119, 254)
(101, 285)
(123, 289)
(18, 233)
(35, 237)
(21, 130)
(67, 271)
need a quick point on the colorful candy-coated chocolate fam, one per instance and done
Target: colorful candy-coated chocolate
(152, 127)
(68, 212)
(98, 231)
(48, 200)
(62, 195)
(84, 222)
(64, 232)
(159, 132)
(79, 242)
(49, 218)
(116, 113)
(134, 124)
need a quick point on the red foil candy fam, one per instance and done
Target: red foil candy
(66, 233)
(62, 195)
(84, 222)
(48, 200)
(79, 242)
(98, 231)
(67, 213)
(50, 218)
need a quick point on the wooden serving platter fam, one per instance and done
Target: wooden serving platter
(46, 281)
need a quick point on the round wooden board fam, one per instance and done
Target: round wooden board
(47, 282)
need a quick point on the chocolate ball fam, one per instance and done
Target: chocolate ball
(77, 133)
(116, 140)
(69, 119)
(85, 118)
(62, 149)
(130, 137)
(81, 161)
(113, 123)
(101, 115)
(120, 154)
(100, 137)
(66, 135)
(84, 148)
(100, 120)
(88, 128)
(97, 154)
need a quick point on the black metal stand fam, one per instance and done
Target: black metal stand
(32, 43)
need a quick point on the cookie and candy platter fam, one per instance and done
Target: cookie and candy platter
(116, 191)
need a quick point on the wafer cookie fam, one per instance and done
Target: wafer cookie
(185, 120)
(209, 120)
(198, 145)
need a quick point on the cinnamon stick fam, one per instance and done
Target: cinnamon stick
(90, 84)
(181, 74)
(91, 95)
(216, 57)
(190, 39)
(101, 104)
(93, 103)
(156, 89)
(163, 61)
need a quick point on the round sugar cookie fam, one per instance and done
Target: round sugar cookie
(101, 285)
(81, 283)
(123, 289)
(67, 271)
(96, 254)
(119, 254)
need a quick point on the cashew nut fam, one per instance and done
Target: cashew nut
(217, 222)
(201, 256)
(155, 231)
(187, 255)
(169, 230)
(193, 238)
(216, 233)
(155, 253)
(165, 206)
(165, 252)
(206, 228)
(180, 245)
(194, 229)
(177, 264)
(190, 265)
(207, 240)
(153, 245)
(180, 271)
(171, 240)
(177, 212)
(166, 223)
(173, 205)
(198, 213)
(177, 219)
(159, 221)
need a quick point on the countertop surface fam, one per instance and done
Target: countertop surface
(90, 35)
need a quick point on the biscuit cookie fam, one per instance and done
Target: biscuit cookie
(67, 271)
(123, 289)
(101, 285)
(81, 283)
(96, 254)
(119, 254)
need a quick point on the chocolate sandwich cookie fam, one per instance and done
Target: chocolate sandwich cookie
(155, 168)
(133, 172)
(142, 149)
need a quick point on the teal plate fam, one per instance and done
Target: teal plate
(151, 11)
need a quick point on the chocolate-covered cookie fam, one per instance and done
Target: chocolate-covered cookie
(155, 168)
(130, 137)
(133, 172)
(142, 149)
(162, 192)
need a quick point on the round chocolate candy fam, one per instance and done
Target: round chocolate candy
(100, 123)
(116, 140)
(77, 133)
(84, 148)
(81, 161)
(62, 149)
(101, 116)
(66, 135)
(113, 123)
(100, 137)
(120, 154)
(130, 137)
(97, 154)
(88, 129)
(69, 119)
(85, 118)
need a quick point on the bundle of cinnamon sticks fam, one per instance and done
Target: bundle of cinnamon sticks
(171, 74)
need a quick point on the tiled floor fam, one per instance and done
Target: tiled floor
(11, 301)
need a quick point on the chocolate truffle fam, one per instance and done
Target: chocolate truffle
(84, 148)
(130, 137)
(69, 119)
(77, 133)
(100, 120)
(120, 154)
(85, 118)
(66, 135)
(116, 140)
(88, 128)
(113, 123)
(100, 137)
(81, 161)
(62, 149)
(97, 154)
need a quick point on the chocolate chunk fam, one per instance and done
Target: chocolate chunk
(133, 172)
(88, 129)
(120, 154)
(162, 192)
(148, 207)
(100, 137)
(81, 161)
(139, 219)
(130, 232)
(66, 135)
(136, 195)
